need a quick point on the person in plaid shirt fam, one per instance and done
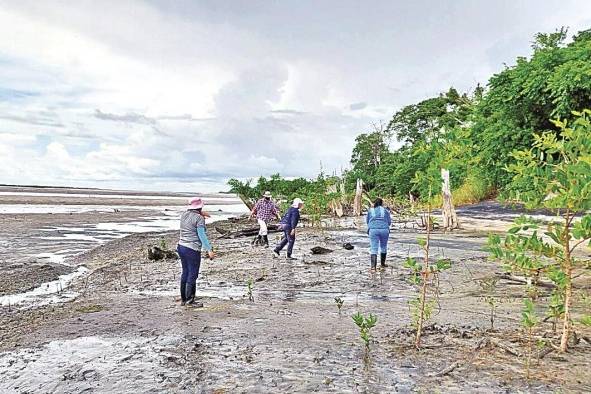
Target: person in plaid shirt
(265, 210)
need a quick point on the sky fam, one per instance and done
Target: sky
(183, 95)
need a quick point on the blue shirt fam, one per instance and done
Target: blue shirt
(378, 218)
(291, 218)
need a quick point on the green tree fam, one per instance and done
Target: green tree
(522, 98)
(554, 174)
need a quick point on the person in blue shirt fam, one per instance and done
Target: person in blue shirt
(378, 227)
(288, 223)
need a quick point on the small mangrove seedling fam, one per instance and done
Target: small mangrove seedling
(163, 245)
(365, 325)
(339, 301)
(488, 286)
(249, 288)
(529, 320)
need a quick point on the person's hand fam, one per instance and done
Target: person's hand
(205, 214)
(211, 254)
(292, 232)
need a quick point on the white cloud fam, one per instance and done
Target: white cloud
(183, 95)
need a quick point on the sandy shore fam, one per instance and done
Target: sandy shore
(126, 331)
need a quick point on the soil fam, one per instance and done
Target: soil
(126, 329)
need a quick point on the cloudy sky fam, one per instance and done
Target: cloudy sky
(182, 95)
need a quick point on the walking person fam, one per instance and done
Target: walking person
(265, 210)
(378, 227)
(192, 240)
(288, 223)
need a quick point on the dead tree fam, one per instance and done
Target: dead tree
(450, 219)
(357, 202)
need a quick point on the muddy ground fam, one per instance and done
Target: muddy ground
(126, 331)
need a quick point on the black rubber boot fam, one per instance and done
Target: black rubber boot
(256, 241)
(383, 260)
(266, 240)
(374, 261)
(183, 293)
(189, 293)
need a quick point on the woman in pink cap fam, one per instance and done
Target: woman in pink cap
(191, 240)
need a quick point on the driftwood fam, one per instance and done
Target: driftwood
(523, 280)
(156, 253)
(320, 250)
(248, 232)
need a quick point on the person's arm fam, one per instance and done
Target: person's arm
(388, 218)
(203, 238)
(295, 218)
(254, 210)
(367, 216)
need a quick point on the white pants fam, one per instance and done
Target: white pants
(263, 227)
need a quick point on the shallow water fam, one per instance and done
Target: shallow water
(47, 293)
(65, 231)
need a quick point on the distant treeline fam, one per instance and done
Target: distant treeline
(472, 134)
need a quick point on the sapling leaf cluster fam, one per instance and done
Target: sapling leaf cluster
(365, 325)
(339, 301)
(554, 174)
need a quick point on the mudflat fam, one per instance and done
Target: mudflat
(126, 330)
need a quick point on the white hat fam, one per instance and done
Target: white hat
(267, 194)
(297, 202)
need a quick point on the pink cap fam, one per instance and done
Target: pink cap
(196, 203)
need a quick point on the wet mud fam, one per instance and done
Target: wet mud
(125, 329)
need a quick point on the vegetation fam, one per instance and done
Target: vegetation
(424, 275)
(554, 174)
(472, 134)
(365, 325)
(339, 301)
(315, 193)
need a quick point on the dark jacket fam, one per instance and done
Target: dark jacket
(291, 219)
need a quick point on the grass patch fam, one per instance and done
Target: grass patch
(473, 190)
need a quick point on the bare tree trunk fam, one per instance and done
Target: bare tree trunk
(358, 198)
(450, 219)
(246, 201)
(335, 204)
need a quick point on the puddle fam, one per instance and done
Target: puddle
(47, 293)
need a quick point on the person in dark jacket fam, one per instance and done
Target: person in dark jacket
(378, 228)
(289, 222)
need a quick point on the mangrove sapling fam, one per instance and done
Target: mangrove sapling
(423, 275)
(163, 244)
(529, 320)
(339, 301)
(365, 325)
(488, 286)
(249, 289)
(554, 174)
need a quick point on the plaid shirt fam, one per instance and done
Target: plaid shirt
(265, 209)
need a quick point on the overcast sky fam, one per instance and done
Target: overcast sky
(182, 95)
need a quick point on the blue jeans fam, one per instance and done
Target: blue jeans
(378, 239)
(288, 240)
(190, 262)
